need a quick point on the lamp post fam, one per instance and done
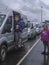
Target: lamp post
(41, 13)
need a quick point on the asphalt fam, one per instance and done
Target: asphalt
(34, 57)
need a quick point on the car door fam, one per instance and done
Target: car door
(7, 31)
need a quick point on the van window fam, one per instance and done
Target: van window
(2, 17)
(8, 25)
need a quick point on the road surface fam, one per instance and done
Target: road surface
(29, 55)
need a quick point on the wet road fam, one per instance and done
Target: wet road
(34, 57)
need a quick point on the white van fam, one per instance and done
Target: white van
(7, 33)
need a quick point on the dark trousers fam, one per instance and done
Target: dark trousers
(18, 37)
(46, 45)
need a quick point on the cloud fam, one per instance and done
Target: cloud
(31, 8)
(44, 5)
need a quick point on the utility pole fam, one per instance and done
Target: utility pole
(41, 13)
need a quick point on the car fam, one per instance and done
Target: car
(39, 28)
(31, 31)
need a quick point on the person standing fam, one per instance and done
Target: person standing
(22, 24)
(45, 38)
(17, 28)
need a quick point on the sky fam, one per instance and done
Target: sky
(46, 1)
(30, 8)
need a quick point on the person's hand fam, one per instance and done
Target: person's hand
(17, 26)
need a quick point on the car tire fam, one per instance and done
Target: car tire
(3, 52)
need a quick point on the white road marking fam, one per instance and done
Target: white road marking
(28, 52)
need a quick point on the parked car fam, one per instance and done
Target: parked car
(38, 28)
(31, 31)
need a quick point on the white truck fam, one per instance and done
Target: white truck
(7, 36)
(7, 32)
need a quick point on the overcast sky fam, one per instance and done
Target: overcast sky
(31, 8)
(46, 1)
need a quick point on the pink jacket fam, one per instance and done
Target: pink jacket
(45, 35)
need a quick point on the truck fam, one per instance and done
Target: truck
(7, 32)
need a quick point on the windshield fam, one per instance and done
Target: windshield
(2, 17)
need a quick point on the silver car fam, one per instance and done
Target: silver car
(39, 29)
(31, 31)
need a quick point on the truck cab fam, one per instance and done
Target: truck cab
(6, 33)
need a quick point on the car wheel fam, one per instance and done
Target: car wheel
(3, 52)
